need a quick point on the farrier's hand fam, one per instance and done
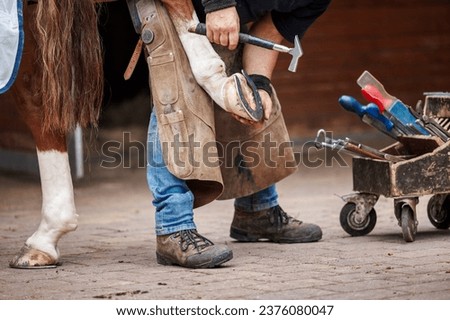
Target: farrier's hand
(222, 27)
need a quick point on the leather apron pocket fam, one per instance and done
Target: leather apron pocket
(180, 156)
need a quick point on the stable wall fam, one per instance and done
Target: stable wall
(404, 43)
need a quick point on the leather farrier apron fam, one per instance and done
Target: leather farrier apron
(217, 156)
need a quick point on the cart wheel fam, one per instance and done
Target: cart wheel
(409, 226)
(439, 211)
(350, 224)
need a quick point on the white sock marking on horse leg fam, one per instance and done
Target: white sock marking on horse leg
(207, 66)
(58, 206)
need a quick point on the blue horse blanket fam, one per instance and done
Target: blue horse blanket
(11, 41)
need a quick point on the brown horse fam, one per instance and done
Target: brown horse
(60, 85)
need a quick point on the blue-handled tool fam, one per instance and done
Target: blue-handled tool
(371, 115)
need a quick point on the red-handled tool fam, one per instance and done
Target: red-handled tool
(399, 113)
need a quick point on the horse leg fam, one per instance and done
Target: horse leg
(58, 208)
(58, 215)
(208, 68)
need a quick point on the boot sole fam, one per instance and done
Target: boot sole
(243, 236)
(214, 262)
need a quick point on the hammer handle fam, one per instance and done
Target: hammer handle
(246, 38)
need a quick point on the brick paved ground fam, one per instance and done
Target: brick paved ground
(111, 255)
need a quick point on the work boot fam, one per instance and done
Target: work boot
(187, 248)
(273, 224)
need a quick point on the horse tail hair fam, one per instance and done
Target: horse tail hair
(70, 55)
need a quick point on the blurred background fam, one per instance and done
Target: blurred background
(404, 43)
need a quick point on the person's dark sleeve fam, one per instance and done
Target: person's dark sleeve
(214, 5)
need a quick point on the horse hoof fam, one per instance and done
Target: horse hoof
(29, 258)
(240, 94)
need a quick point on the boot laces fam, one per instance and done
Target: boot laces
(278, 217)
(192, 237)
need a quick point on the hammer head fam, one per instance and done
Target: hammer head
(296, 52)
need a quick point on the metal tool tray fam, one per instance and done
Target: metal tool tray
(427, 172)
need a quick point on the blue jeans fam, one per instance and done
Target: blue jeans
(172, 198)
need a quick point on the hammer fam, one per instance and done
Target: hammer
(295, 52)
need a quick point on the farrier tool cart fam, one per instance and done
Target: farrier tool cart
(417, 164)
